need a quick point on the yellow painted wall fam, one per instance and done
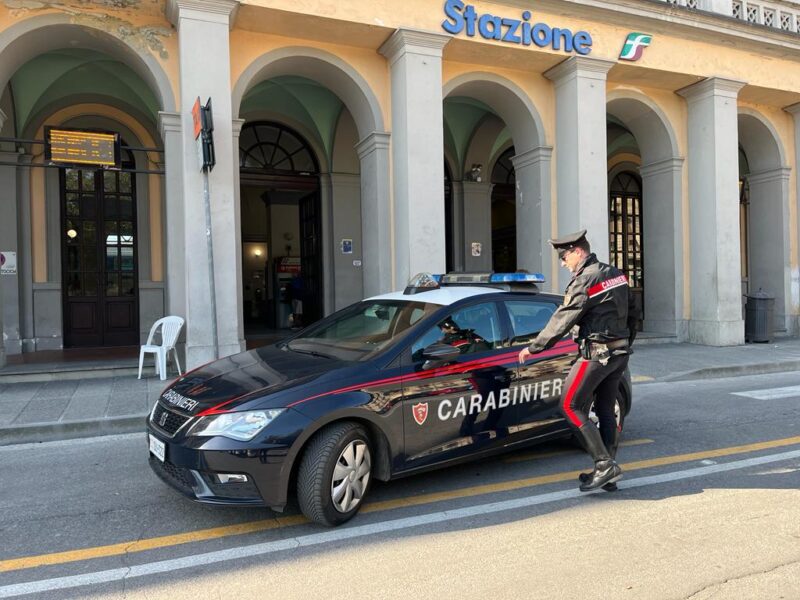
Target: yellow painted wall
(247, 46)
(674, 48)
(142, 26)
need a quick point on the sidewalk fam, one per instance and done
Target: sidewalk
(66, 408)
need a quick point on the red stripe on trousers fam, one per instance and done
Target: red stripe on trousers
(571, 392)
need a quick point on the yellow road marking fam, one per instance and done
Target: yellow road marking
(539, 455)
(56, 558)
(641, 378)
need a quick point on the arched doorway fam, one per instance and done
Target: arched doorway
(626, 239)
(99, 256)
(504, 221)
(765, 239)
(281, 228)
(645, 174)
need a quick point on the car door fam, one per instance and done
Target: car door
(460, 407)
(540, 380)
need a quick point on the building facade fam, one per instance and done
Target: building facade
(361, 143)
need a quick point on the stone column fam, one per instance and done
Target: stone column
(457, 226)
(347, 280)
(663, 247)
(415, 62)
(376, 214)
(476, 223)
(581, 151)
(204, 51)
(793, 309)
(532, 172)
(9, 242)
(716, 318)
(236, 130)
(170, 128)
(24, 256)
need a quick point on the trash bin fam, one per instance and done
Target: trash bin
(759, 317)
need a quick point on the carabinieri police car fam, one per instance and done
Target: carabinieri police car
(388, 387)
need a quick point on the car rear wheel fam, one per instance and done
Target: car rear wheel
(335, 474)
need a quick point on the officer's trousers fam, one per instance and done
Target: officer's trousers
(589, 378)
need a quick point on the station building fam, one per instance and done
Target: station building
(363, 142)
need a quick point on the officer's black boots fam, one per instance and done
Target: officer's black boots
(612, 446)
(605, 469)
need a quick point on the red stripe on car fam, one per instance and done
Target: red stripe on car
(559, 348)
(464, 367)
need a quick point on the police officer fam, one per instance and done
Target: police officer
(598, 302)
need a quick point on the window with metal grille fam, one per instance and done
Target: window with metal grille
(625, 227)
(273, 147)
(786, 22)
(752, 13)
(769, 17)
(737, 9)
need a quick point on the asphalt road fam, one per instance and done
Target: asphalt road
(709, 508)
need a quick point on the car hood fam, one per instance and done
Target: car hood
(238, 379)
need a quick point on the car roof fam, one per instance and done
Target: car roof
(443, 296)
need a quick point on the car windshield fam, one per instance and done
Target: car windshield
(360, 331)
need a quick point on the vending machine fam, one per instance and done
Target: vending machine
(283, 270)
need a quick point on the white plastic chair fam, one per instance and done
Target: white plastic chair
(170, 328)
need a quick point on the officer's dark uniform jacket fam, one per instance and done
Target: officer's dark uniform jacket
(597, 300)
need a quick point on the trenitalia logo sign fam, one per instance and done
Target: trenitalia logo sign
(634, 46)
(464, 17)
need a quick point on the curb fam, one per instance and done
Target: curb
(726, 371)
(49, 432)
(72, 374)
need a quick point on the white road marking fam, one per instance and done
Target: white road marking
(772, 393)
(352, 532)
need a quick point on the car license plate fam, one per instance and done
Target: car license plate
(158, 448)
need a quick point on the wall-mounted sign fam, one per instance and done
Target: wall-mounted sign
(79, 147)
(634, 45)
(347, 246)
(477, 248)
(464, 17)
(8, 263)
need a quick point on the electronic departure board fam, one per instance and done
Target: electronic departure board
(82, 147)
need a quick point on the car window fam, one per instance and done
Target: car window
(360, 330)
(471, 329)
(528, 318)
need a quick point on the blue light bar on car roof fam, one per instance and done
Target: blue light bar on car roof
(478, 278)
(516, 278)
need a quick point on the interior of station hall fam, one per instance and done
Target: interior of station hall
(330, 186)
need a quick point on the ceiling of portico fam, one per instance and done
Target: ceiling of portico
(619, 140)
(54, 78)
(463, 117)
(301, 100)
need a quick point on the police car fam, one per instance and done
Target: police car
(388, 387)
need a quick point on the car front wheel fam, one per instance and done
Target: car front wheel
(334, 474)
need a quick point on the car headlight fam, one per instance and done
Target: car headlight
(241, 426)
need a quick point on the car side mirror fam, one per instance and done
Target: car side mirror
(438, 353)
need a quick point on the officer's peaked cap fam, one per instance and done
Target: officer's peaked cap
(568, 241)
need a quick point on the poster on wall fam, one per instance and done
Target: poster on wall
(8, 263)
